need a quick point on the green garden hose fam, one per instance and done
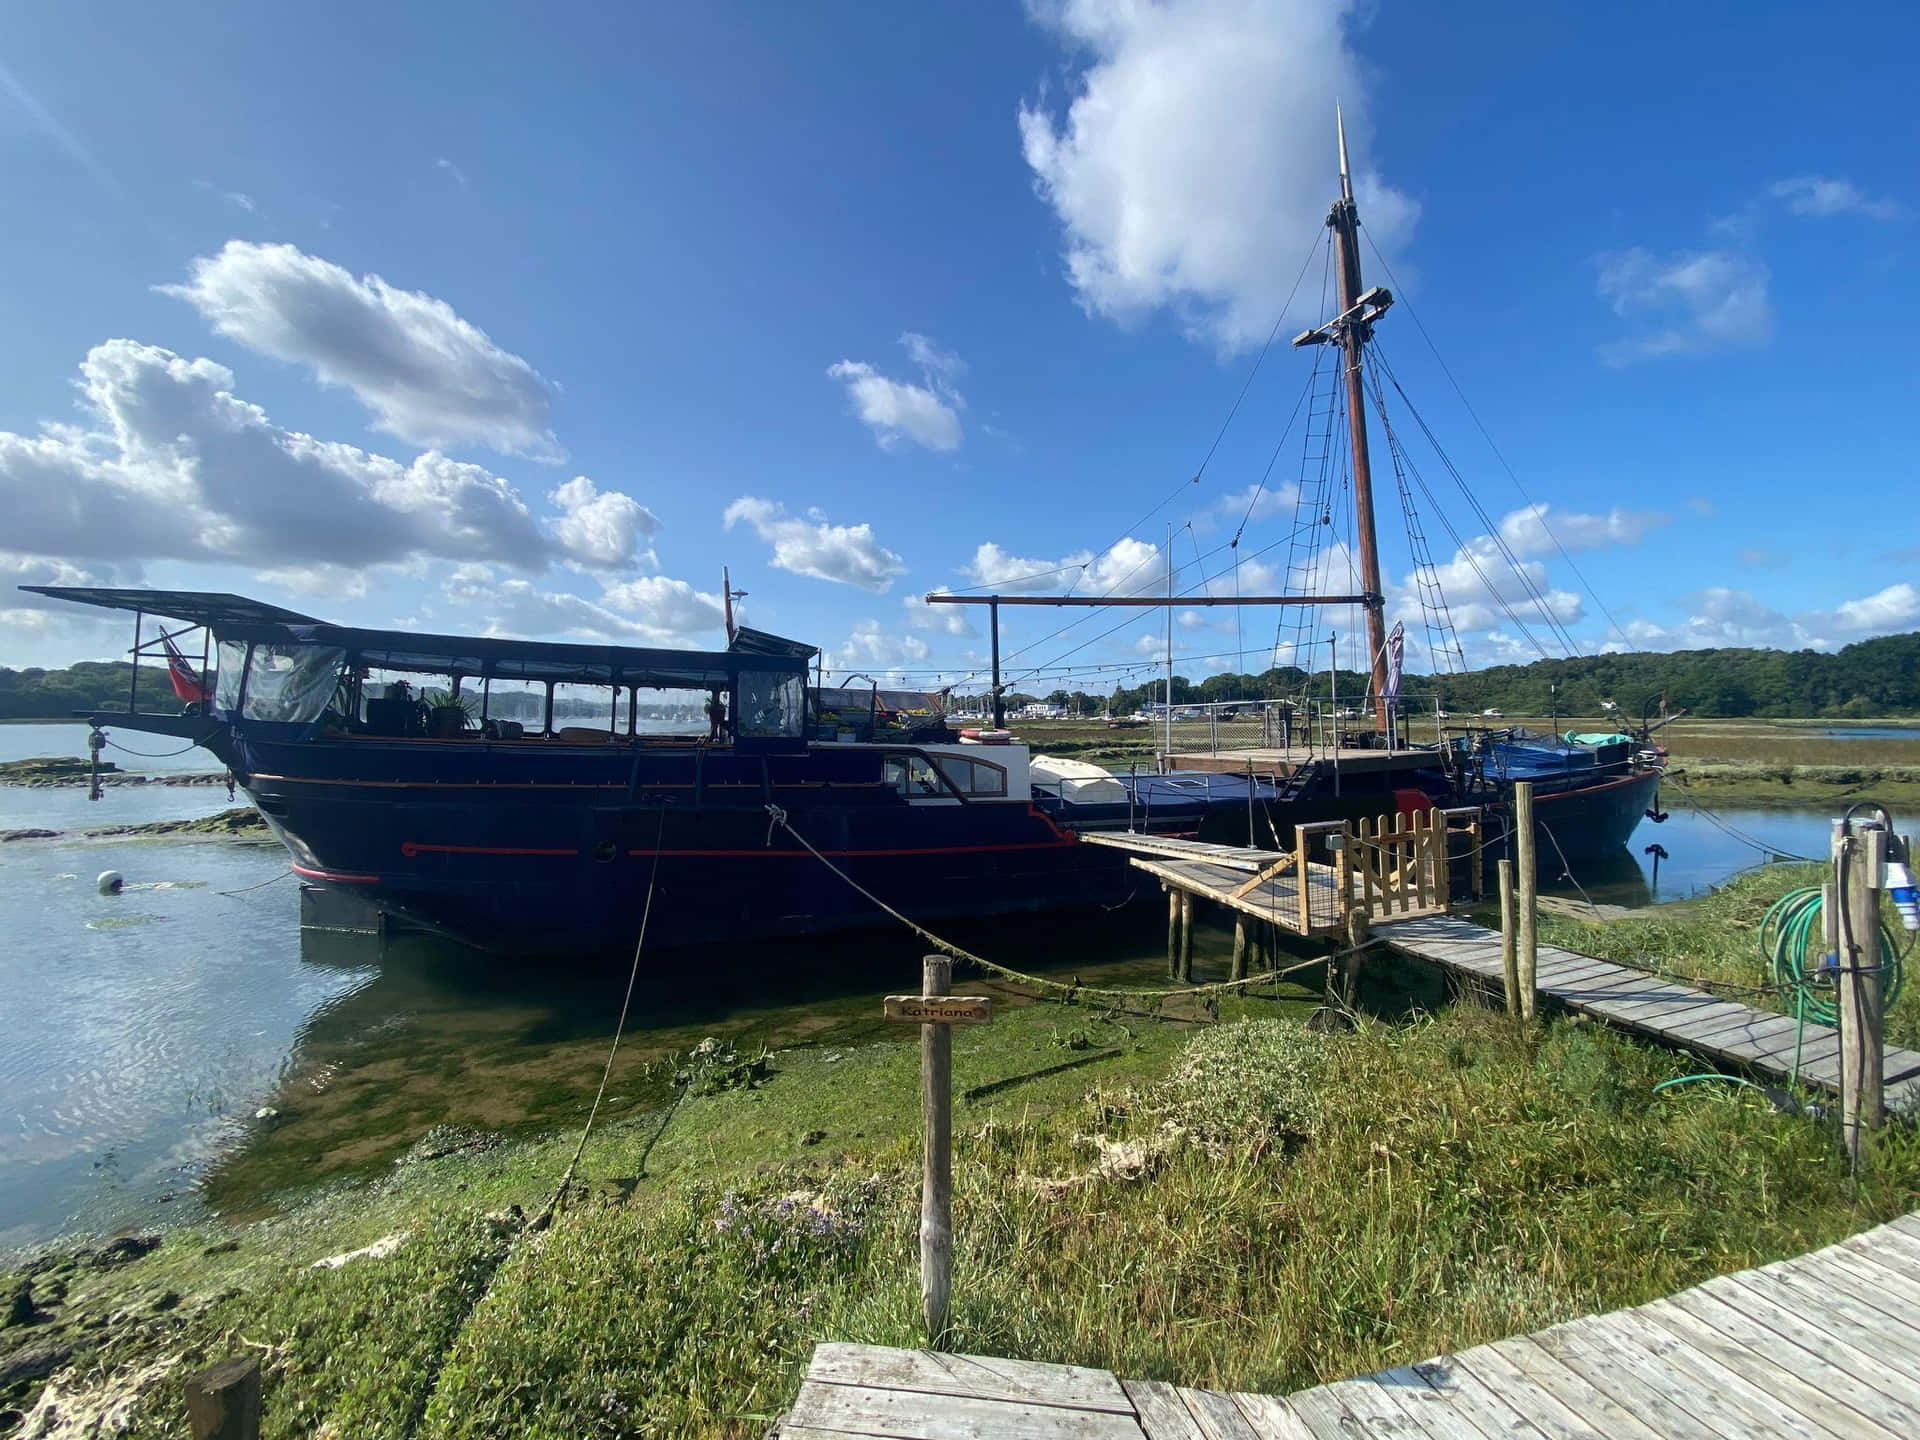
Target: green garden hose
(1793, 948)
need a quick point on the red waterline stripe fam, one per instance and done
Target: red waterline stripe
(410, 848)
(860, 854)
(335, 876)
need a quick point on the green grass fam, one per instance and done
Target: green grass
(1716, 939)
(1252, 1205)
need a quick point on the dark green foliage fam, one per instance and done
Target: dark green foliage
(36, 694)
(1873, 677)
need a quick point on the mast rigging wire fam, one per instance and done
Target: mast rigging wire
(1539, 510)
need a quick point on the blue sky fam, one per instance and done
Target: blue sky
(533, 321)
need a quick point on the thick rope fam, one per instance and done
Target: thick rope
(1074, 991)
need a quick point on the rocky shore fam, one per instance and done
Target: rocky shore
(46, 772)
(243, 822)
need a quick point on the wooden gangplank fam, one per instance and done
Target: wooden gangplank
(1393, 866)
(1284, 889)
(1822, 1347)
(1725, 1031)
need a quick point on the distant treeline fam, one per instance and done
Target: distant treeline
(34, 693)
(1873, 677)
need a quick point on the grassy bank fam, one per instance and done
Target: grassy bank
(1251, 1204)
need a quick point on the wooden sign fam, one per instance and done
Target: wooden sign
(940, 1009)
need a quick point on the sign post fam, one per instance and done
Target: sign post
(938, 1012)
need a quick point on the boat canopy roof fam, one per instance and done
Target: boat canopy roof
(236, 618)
(196, 607)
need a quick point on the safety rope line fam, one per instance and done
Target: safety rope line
(545, 1217)
(1074, 992)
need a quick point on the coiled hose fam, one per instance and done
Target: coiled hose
(1793, 948)
(1793, 943)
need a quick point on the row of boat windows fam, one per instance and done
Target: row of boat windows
(302, 684)
(919, 778)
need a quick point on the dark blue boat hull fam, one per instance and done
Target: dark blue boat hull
(557, 853)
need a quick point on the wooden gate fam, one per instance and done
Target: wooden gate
(1400, 862)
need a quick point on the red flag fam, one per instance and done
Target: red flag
(187, 684)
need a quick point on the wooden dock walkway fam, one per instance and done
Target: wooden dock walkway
(1722, 1030)
(1822, 1347)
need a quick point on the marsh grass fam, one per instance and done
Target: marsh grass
(1248, 1206)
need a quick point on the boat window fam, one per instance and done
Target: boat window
(767, 703)
(514, 702)
(291, 684)
(912, 776)
(585, 712)
(233, 664)
(672, 712)
(974, 777)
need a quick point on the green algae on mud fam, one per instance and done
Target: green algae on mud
(439, 1036)
(1254, 1205)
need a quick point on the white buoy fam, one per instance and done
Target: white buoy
(109, 882)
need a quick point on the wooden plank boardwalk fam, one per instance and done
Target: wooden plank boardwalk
(1722, 1030)
(1822, 1347)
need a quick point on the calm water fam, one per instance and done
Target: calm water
(139, 1034)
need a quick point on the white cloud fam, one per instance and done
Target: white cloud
(1686, 302)
(932, 357)
(928, 414)
(602, 528)
(1196, 159)
(1533, 529)
(1823, 195)
(1721, 616)
(814, 546)
(171, 464)
(650, 610)
(1129, 567)
(1257, 502)
(459, 175)
(945, 619)
(871, 647)
(430, 377)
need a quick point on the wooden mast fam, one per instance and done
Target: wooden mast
(1351, 330)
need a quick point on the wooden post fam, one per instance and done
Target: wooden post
(1301, 850)
(1343, 880)
(1173, 931)
(1528, 886)
(1186, 936)
(1860, 856)
(1239, 946)
(1509, 951)
(1422, 853)
(936, 1175)
(938, 1012)
(223, 1400)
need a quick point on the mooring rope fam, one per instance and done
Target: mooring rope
(1073, 991)
(261, 886)
(545, 1217)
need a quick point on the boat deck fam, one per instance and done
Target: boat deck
(1822, 1346)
